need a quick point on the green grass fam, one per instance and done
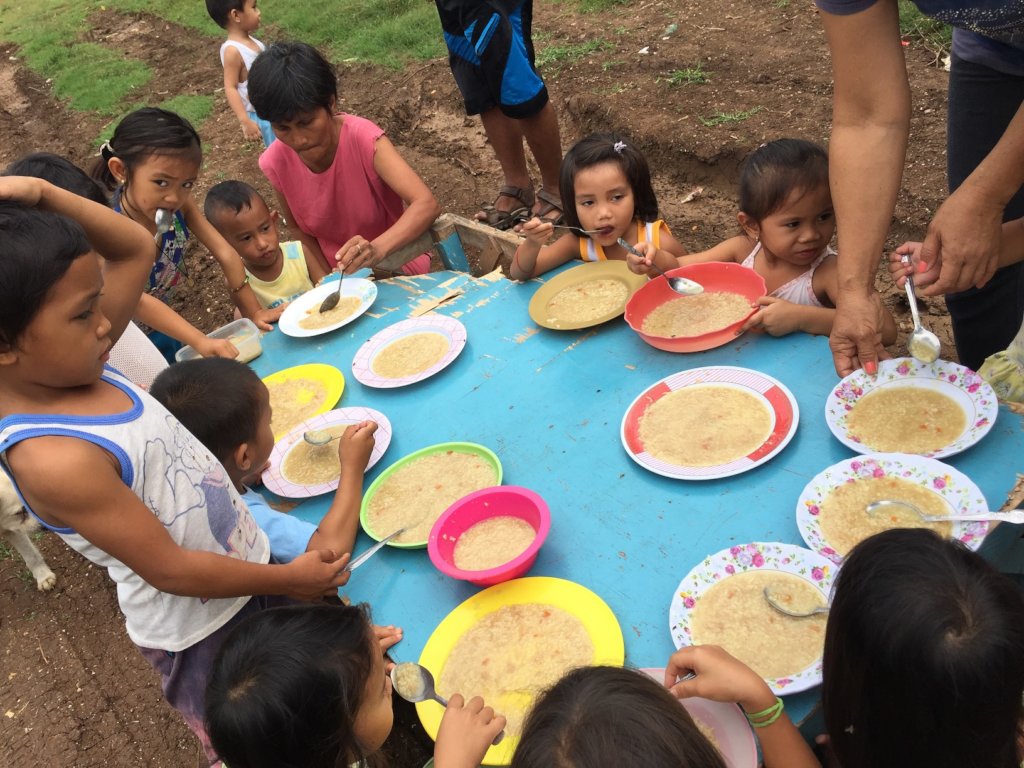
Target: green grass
(934, 35)
(695, 74)
(195, 109)
(728, 117)
(564, 54)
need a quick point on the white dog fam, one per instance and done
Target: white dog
(15, 526)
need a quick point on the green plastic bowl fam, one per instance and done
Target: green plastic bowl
(474, 449)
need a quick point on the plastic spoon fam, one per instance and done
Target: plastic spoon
(1013, 516)
(414, 683)
(681, 285)
(789, 612)
(922, 344)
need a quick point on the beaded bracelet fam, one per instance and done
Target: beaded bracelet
(766, 717)
(245, 282)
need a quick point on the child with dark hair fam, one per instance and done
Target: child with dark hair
(151, 163)
(606, 186)
(278, 272)
(307, 686)
(338, 178)
(787, 221)
(226, 406)
(240, 18)
(924, 657)
(134, 354)
(103, 464)
(609, 717)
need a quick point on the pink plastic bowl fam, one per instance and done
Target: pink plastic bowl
(714, 276)
(508, 500)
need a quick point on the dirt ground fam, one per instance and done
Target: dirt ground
(73, 691)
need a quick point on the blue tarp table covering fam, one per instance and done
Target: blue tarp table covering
(550, 405)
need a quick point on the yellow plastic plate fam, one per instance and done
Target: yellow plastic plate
(584, 273)
(595, 615)
(327, 376)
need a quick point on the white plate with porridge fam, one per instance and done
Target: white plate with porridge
(302, 318)
(724, 725)
(510, 641)
(409, 351)
(831, 516)
(299, 470)
(930, 409)
(414, 491)
(708, 423)
(721, 602)
(585, 295)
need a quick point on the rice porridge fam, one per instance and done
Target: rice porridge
(410, 355)
(845, 522)
(694, 315)
(293, 401)
(735, 615)
(415, 495)
(587, 301)
(512, 654)
(906, 419)
(492, 542)
(315, 319)
(307, 464)
(704, 426)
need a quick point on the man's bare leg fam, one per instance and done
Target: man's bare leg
(542, 134)
(506, 138)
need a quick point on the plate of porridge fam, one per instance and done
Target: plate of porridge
(301, 392)
(721, 602)
(302, 317)
(299, 470)
(409, 351)
(724, 725)
(589, 294)
(513, 640)
(930, 409)
(708, 423)
(831, 516)
(414, 491)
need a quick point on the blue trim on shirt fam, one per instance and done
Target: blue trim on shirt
(115, 418)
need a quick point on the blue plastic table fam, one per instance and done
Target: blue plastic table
(550, 405)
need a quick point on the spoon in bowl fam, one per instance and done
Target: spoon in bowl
(319, 437)
(1013, 516)
(922, 344)
(681, 285)
(413, 682)
(332, 299)
(771, 600)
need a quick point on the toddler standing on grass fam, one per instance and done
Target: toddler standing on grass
(237, 53)
(277, 272)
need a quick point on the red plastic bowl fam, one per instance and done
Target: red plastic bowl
(714, 276)
(501, 500)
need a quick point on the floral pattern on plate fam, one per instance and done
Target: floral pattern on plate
(954, 487)
(771, 556)
(967, 388)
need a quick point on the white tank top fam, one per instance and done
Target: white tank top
(799, 290)
(248, 57)
(183, 485)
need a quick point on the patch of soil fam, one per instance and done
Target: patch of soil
(73, 690)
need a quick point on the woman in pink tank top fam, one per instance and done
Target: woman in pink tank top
(338, 178)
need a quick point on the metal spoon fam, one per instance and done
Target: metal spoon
(164, 220)
(319, 436)
(681, 285)
(362, 558)
(1014, 516)
(413, 682)
(332, 299)
(922, 344)
(789, 612)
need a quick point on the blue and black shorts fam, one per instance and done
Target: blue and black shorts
(490, 51)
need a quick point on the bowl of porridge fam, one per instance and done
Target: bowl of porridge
(491, 535)
(675, 323)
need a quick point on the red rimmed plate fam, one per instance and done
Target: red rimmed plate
(779, 401)
(275, 481)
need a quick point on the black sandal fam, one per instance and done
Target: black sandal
(551, 203)
(505, 220)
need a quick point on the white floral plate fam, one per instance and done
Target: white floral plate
(971, 392)
(275, 481)
(785, 415)
(961, 495)
(728, 724)
(449, 327)
(298, 309)
(758, 556)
